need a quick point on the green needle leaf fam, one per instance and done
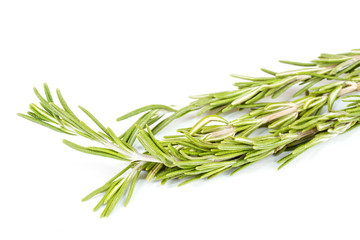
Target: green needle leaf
(93, 152)
(40, 122)
(332, 97)
(298, 63)
(95, 120)
(144, 109)
(47, 93)
(132, 186)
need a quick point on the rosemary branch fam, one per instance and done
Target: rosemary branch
(215, 145)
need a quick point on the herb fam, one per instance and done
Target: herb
(214, 144)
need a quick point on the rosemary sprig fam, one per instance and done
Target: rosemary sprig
(196, 156)
(215, 145)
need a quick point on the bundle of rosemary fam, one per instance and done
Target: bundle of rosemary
(214, 144)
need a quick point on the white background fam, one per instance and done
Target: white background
(114, 56)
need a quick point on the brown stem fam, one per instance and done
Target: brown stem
(280, 114)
